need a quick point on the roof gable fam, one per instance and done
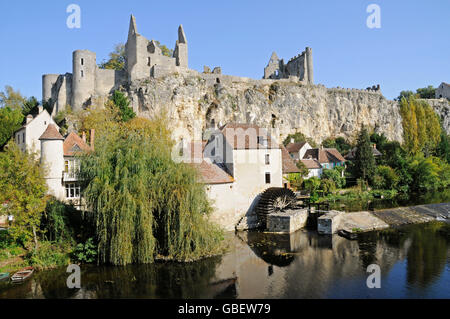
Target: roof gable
(288, 164)
(73, 145)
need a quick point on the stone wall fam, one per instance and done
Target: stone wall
(442, 108)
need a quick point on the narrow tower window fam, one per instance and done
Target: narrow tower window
(82, 73)
(82, 61)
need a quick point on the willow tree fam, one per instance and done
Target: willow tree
(146, 205)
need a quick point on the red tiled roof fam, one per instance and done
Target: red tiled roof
(288, 163)
(51, 133)
(295, 147)
(75, 144)
(245, 136)
(311, 163)
(212, 174)
(326, 155)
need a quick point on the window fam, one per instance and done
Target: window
(267, 178)
(66, 166)
(72, 190)
(23, 137)
(267, 159)
(82, 61)
(82, 73)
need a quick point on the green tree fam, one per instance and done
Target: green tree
(145, 204)
(23, 189)
(164, 50)
(126, 113)
(364, 163)
(312, 185)
(421, 126)
(298, 138)
(443, 148)
(116, 60)
(11, 98)
(429, 174)
(10, 121)
(428, 92)
(30, 106)
(327, 185)
(405, 94)
(335, 175)
(385, 178)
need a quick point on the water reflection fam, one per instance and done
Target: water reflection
(413, 262)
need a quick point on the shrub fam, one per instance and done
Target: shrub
(385, 178)
(335, 175)
(49, 255)
(85, 253)
(327, 186)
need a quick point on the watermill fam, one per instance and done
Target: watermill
(274, 200)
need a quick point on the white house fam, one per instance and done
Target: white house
(298, 150)
(58, 155)
(27, 137)
(239, 162)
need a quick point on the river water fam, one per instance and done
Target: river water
(414, 263)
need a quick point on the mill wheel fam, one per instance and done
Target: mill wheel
(274, 200)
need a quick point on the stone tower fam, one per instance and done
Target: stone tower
(181, 49)
(84, 72)
(52, 158)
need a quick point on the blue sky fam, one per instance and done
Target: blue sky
(410, 50)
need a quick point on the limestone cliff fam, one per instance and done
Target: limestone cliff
(283, 106)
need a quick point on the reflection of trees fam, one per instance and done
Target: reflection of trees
(274, 249)
(367, 244)
(426, 256)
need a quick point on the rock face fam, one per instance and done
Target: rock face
(197, 101)
(442, 108)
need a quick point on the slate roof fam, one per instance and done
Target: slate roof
(245, 136)
(295, 147)
(325, 155)
(288, 164)
(74, 144)
(51, 133)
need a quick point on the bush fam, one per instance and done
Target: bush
(327, 186)
(85, 253)
(385, 178)
(335, 175)
(50, 255)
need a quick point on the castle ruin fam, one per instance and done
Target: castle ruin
(144, 59)
(300, 66)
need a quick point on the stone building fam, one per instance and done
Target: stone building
(443, 91)
(299, 67)
(144, 59)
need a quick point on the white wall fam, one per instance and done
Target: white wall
(225, 213)
(33, 132)
(52, 159)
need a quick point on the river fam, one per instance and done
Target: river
(414, 263)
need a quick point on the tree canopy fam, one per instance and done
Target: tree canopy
(23, 190)
(364, 163)
(421, 126)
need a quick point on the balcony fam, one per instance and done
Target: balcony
(70, 177)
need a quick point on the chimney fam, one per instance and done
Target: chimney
(83, 136)
(40, 108)
(374, 146)
(29, 118)
(292, 140)
(92, 138)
